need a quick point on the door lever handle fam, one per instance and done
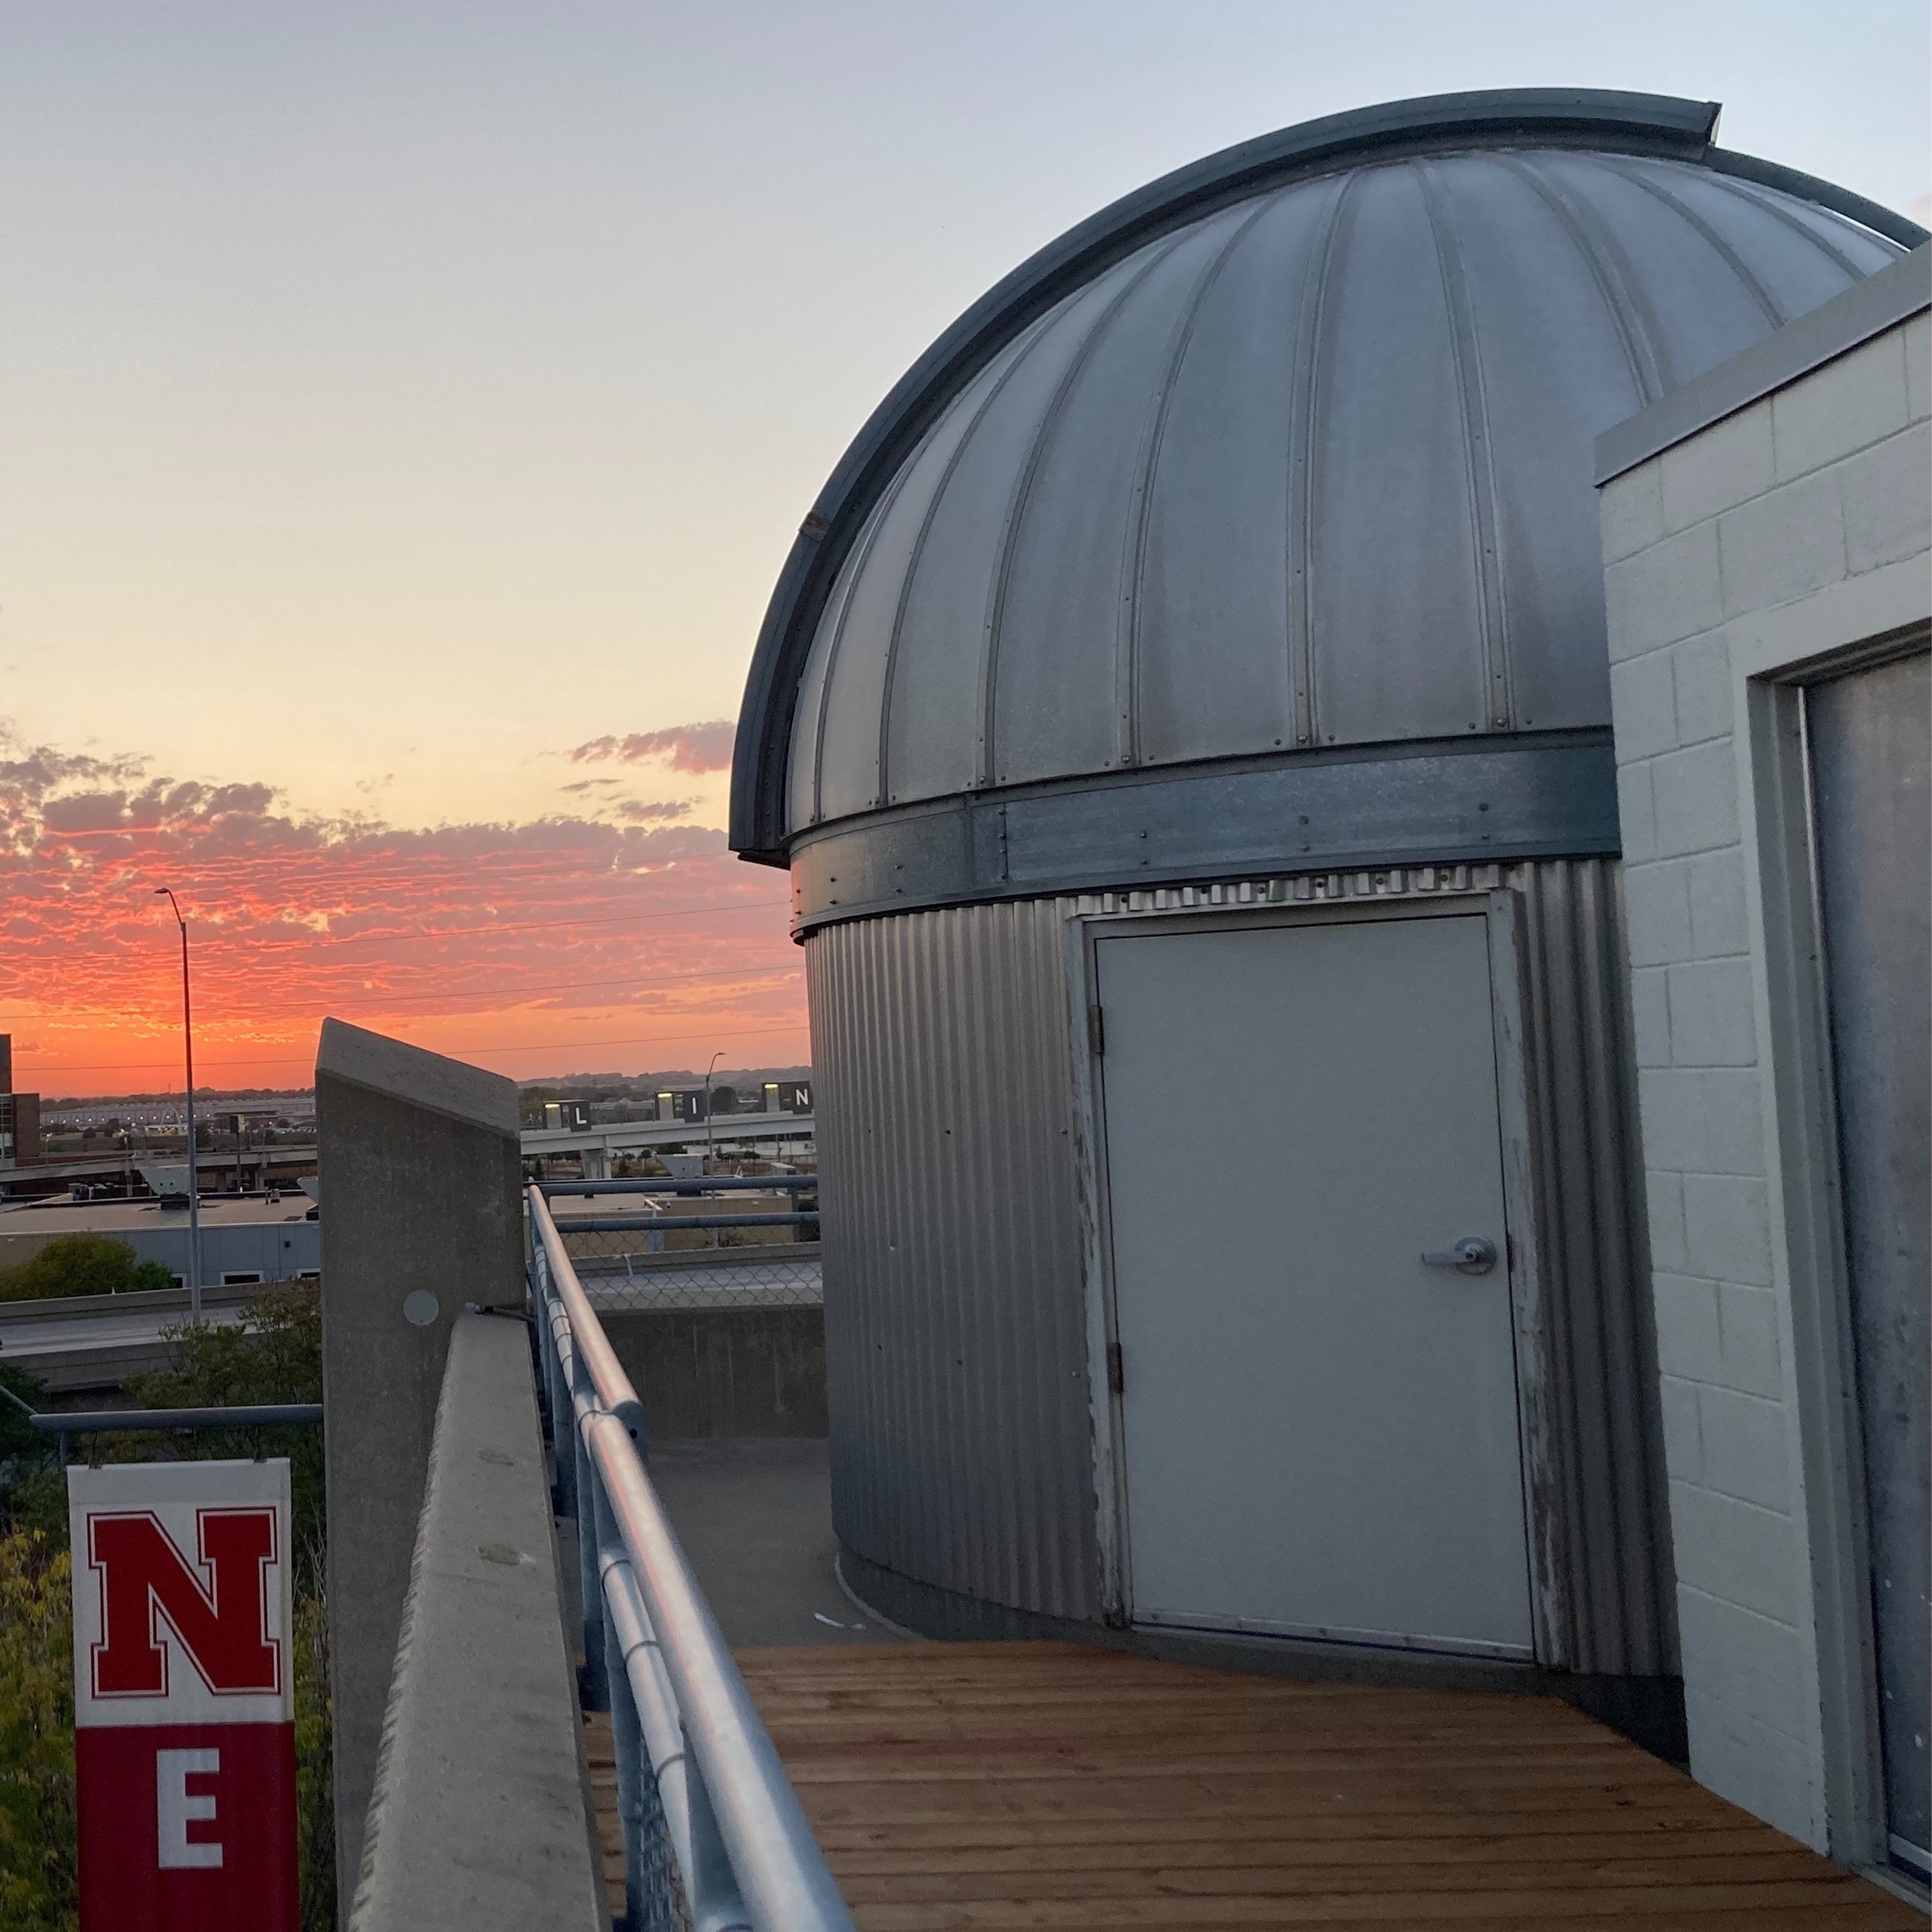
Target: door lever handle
(1473, 1256)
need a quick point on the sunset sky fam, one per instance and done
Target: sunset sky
(405, 406)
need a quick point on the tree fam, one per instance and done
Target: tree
(38, 1878)
(81, 1264)
(272, 1354)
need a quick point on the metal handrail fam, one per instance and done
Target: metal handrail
(619, 1224)
(100, 1421)
(696, 1769)
(708, 1184)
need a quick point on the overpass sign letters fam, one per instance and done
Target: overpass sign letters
(184, 1699)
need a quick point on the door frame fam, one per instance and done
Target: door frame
(1771, 670)
(1499, 907)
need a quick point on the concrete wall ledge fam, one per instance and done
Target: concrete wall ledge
(419, 1164)
(135, 1301)
(481, 1820)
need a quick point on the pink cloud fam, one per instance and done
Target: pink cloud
(705, 747)
(640, 811)
(650, 926)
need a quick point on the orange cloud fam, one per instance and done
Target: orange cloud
(684, 747)
(534, 947)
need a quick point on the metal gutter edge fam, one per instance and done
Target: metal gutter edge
(1641, 123)
(1866, 309)
(1859, 207)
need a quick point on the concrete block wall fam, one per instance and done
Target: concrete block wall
(1809, 488)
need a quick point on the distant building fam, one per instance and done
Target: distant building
(242, 1241)
(682, 1103)
(774, 1096)
(20, 1115)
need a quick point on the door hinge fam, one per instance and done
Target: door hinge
(1117, 1371)
(1096, 1031)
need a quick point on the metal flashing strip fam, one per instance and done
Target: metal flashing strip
(1436, 804)
(1601, 119)
(1794, 181)
(1864, 310)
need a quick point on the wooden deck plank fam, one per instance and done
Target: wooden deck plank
(1398, 1838)
(1781, 1871)
(1602, 1852)
(601, 1758)
(1058, 1788)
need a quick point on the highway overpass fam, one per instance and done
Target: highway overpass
(280, 1165)
(596, 1144)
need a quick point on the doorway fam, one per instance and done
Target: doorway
(1316, 1372)
(1869, 734)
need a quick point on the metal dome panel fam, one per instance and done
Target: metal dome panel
(1307, 468)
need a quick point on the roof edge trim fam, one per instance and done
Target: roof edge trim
(1793, 181)
(1645, 123)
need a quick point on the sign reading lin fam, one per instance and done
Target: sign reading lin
(184, 1701)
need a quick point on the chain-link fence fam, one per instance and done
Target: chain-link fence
(743, 1250)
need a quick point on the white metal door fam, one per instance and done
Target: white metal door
(1319, 1427)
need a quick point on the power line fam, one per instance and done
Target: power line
(485, 992)
(384, 1001)
(537, 1046)
(562, 986)
(526, 926)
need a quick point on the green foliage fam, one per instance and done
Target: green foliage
(315, 1790)
(273, 1354)
(38, 1892)
(81, 1264)
(18, 1436)
(36, 1503)
(33, 1492)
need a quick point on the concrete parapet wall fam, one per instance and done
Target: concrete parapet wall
(724, 1372)
(421, 1191)
(480, 1820)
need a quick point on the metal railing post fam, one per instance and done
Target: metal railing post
(625, 1749)
(665, 1822)
(588, 1489)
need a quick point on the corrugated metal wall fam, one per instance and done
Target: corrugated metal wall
(1614, 1538)
(955, 1318)
(955, 1324)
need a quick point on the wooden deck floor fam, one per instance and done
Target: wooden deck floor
(968, 1787)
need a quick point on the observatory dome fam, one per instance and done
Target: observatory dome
(1287, 457)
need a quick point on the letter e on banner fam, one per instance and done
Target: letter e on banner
(184, 1697)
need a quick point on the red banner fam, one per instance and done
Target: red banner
(184, 1697)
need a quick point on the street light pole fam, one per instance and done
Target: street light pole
(711, 1122)
(193, 1171)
